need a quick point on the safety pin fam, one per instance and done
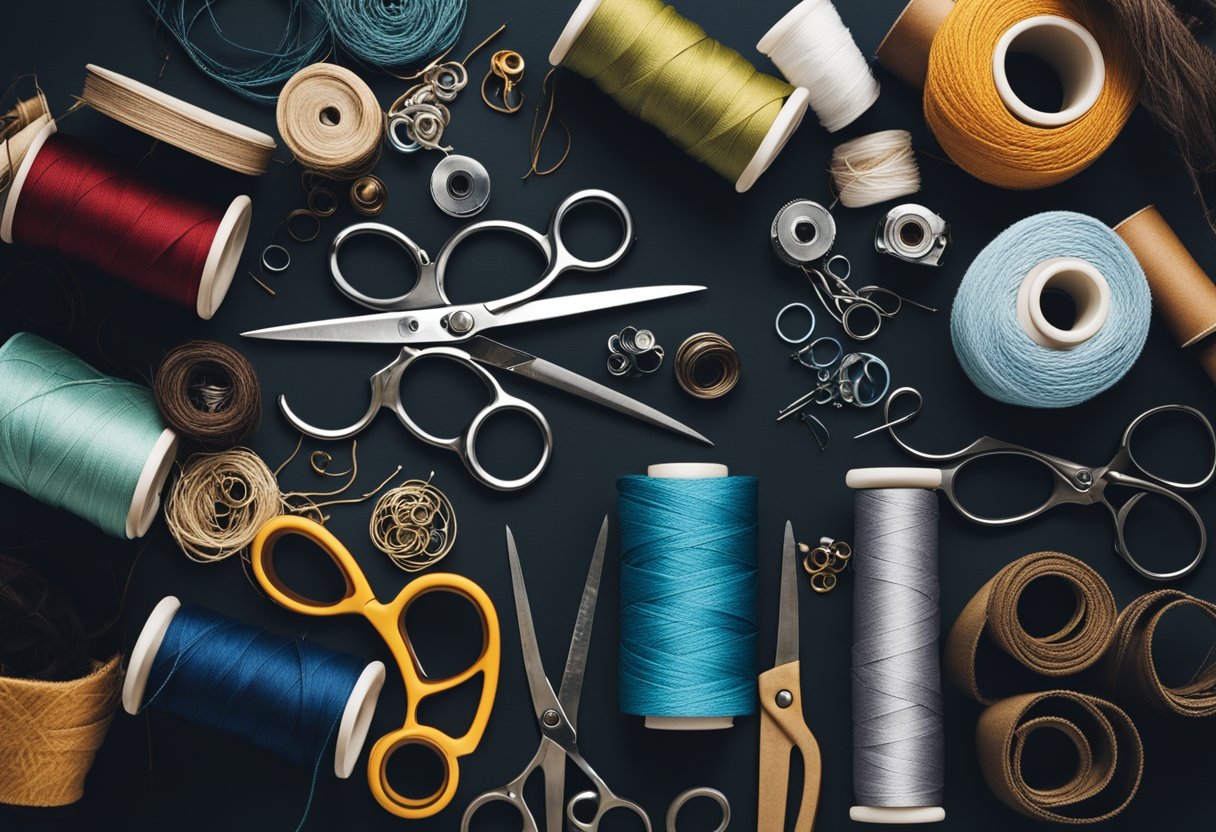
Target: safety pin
(891, 424)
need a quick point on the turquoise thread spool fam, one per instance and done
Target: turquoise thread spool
(75, 438)
(688, 596)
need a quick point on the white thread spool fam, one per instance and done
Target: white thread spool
(816, 52)
(1068, 48)
(223, 256)
(688, 471)
(874, 168)
(865, 479)
(356, 718)
(779, 133)
(1083, 284)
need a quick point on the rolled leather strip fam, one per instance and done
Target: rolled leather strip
(1110, 756)
(990, 653)
(1129, 666)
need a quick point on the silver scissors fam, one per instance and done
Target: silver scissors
(557, 715)
(1073, 483)
(845, 304)
(425, 324)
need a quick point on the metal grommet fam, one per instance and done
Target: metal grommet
(787, 339)
(293, 231)
(322, 201)
(802, 232)
(460, 186)
(273, 251)
(368, 195)
(704, 791)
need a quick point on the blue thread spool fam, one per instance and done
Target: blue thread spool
(688, 596)
(1004, 340)
(240, 709)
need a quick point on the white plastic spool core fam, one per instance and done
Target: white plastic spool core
(688, 471)
(1068, 48)
(779, 133)
(1084, 285)
(356, 717)
(222, 258)
(864, 479)
(145, 502)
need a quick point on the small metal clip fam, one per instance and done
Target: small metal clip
(913, 233)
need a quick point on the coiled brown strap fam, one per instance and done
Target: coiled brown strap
(50, 733)
(990, 640)
(1110, 756)
(1129, 666)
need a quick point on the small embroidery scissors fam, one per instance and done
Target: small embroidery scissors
(557, 715)
(1073, 483)
(389, 621)
(426, 324)
(782, 725)
(844, 303)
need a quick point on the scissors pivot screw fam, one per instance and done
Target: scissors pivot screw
(460, 322)
(784, 699)
(1085, 477)
(551, 718)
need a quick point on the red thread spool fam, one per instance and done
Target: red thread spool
(70, 198)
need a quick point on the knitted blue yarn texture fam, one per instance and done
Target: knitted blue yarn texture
(997, 354)
(688, 596)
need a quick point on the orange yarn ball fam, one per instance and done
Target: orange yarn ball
(977, 130)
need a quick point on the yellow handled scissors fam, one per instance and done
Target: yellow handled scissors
(389, 621)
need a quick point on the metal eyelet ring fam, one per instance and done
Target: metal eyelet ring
(823, 582)
(322, 201)
(806, 356)
(619, 364)
(649, 361)
(704, 791)
(460, 186)
(786, 338)
(395, 123)
(293, 228)
(273, 252)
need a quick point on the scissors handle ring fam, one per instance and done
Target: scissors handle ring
(468, 448)
(424, 292)
(392, 800)
(1125, 511)
(507, 794)
(605, 801)
(533, 236)
(852, 306)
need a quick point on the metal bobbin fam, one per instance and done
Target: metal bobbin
(913, 233)
(460, 186)
(802, 232)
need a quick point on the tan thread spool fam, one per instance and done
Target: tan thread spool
(14, 150)
(1183, 293)
(50, 733)
(179, 123)
(330, 120)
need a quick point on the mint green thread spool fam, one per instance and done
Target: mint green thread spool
(75, 438)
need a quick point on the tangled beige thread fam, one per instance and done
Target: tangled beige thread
(414, 524)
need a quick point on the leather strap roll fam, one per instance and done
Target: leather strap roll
(990, 653)
(1110, 756)
(1131, 671)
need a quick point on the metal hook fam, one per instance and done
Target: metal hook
(817, 428)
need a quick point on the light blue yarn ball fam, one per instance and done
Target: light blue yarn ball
(997, 354)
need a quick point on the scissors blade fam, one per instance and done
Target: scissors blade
(580, 640)
(561, 307)
(378, 328)
(494, 354)
(543, 697)
(787, 615)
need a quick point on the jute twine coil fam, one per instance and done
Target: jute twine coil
(50, 733)
(330, 120)
(973, 125)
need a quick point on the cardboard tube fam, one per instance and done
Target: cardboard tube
(1182, 291)
(905, 49)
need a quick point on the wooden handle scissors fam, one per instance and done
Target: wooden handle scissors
(782, 726)
(389, 621)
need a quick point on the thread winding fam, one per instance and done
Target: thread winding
(999, 356)
(385, 34)
(688, 596)
(898, 733)
(73, 437)
(209, 392)
(973, 125)
(873, 168)
(665, 70)
(330, 120)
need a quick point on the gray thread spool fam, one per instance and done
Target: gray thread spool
(898, 735)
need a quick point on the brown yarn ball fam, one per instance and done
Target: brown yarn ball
(41, 636)
(209, 392)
